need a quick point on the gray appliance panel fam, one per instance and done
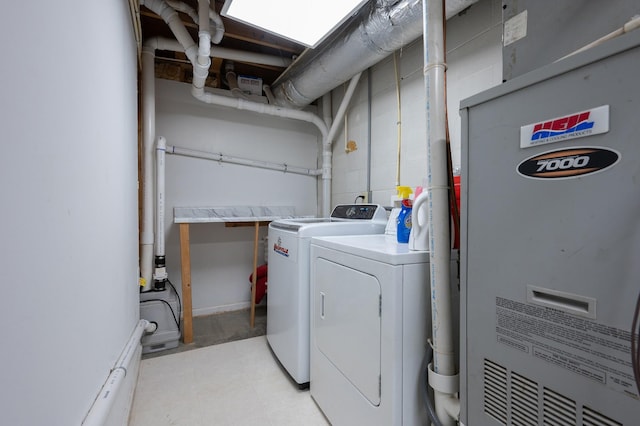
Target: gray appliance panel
(549, 267)
(557, 28)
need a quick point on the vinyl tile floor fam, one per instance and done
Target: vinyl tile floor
(235, 383)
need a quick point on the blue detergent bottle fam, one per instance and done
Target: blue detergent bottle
(404, 218)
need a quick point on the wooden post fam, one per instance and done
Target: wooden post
(185, 259)
(255, 275)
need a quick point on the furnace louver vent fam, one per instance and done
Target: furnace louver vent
(514, 400)
(524, 401)
(558, 409)
(495, 391)
(593, 418)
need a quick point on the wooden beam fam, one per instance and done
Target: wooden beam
(255, 275)
(185, 260)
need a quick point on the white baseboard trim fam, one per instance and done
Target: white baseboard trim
(221, 308)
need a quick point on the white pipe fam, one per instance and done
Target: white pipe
(148, 136)
(631, 25)
(101, 408)
(217, 20)
(213, 16)
(399, 114)
(161, 43)
(203, 61)
(232, 82)
(268, 93)
(170, 16)
(241, 104)
(439, 239)
(161, 148)
(219, 157)
(326, 155)
(327, 144)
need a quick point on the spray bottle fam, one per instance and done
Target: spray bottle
(404, 218)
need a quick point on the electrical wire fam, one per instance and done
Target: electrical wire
(179, 302)
(635, 348)
(175, 319)
(166, 303)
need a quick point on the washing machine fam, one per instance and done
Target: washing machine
(370, 321)
(288, 278)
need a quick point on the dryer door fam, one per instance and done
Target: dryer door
(347, 324)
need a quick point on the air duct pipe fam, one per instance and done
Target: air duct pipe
(442, 372)
(386, 27)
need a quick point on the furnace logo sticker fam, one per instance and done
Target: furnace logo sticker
(568, 163)
(277, 247)
(578, 125)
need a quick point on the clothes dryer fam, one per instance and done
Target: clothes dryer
(370, 321)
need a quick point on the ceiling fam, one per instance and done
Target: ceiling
(175, 65)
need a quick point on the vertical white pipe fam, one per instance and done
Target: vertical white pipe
(203, 61)
(326, 156)
(161, 148)
(328, 145)
(148, 136)
(439, 244)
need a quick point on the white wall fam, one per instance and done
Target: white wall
(222, 258)
(68, 223)
(474, 59)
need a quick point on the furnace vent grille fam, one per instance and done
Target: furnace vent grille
(495, 391)
(514, 400)
(558, 409)
(593, 418)
(524, 401)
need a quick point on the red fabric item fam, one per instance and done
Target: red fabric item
(261, 282)
(261, 272)
(261, 288)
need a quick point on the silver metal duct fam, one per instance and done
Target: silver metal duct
(382, 27)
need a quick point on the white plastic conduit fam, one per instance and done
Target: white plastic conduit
(222, 158)
(443, 371)
(101, 408)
